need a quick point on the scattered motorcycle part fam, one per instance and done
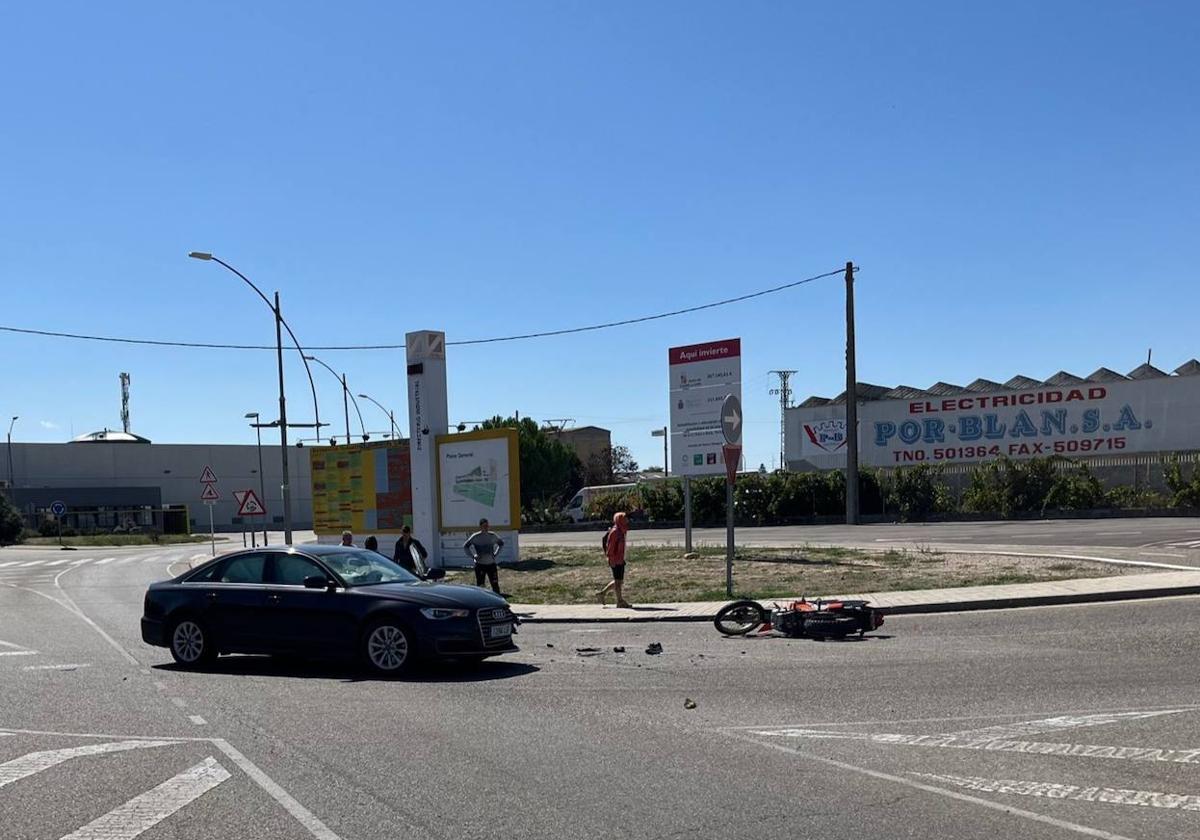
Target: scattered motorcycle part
(740, 618)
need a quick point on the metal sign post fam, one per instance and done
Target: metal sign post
(58, 509)
(731, 429)
(209, 496)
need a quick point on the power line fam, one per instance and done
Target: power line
(521, 337)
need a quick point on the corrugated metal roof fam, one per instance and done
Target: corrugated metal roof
(868, 392)
(1106, 375)
(1147, 371)
(1064, 378)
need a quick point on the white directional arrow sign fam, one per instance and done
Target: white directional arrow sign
(731, 420)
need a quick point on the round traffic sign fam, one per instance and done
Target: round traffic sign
(58, 508)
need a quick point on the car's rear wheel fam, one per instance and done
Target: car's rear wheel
(387, 648)
(191, 645)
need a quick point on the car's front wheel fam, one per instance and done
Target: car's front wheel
(191, 645)
(387, 648)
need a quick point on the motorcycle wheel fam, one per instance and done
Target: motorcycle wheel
(740, 618)
(830, 626)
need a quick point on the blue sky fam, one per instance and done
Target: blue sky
(1017, 181)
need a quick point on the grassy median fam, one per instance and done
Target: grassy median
(559, 575)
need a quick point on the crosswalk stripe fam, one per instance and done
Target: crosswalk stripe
(30, 563)
(17, 652)
(105, 560)
(59, 562)
(36, 762)
(9, 563)
(148, 809)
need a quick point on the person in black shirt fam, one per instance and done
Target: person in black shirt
(404, 550)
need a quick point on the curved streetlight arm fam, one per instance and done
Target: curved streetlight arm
(286, 326)
(350, 393)
(391, 421)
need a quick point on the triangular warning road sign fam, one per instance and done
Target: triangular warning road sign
(249, 504)
(238, 495)
(208, 476)
(209, 493)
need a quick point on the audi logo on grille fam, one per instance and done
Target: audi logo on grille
(499, 613)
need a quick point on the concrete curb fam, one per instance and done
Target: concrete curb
(998, 603)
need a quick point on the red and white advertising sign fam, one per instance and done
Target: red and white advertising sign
(701, 377)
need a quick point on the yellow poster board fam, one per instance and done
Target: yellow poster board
(365, 488)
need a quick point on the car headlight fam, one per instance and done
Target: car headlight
(441, 613)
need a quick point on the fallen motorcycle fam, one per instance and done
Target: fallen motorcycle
(803, 618)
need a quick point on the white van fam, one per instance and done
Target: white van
(575, 508)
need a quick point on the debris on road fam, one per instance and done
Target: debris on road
(689, 703)
(654, 649)
(619, 649)
(587, 651)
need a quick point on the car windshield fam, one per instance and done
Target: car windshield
(361, 568)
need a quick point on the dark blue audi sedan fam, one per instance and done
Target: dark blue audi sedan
(322, 601)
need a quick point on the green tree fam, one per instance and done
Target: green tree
(11, 523)
(550, 470)
(610, 466)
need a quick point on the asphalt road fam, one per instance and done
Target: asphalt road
(1177, 537)
(1040, 723)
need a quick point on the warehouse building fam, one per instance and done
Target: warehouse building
(1118, 422)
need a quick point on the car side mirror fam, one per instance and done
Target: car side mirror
(316, 582)
(436, 573)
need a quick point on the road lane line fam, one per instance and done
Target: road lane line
(955, 742)
(9, 563)
(68, 666)
(30, 563)
(59, 562)
(1058, 724)
(949, 794)
(105, 560)
(1115, 533)
(1159, 554)
(36, 762)
(73, 607)
(196, 719)
(178, 702)
(304, 816)
(17, 652)
(124, 560)
(1053, 790)
(148, 809)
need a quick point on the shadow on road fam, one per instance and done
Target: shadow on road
(297, 668)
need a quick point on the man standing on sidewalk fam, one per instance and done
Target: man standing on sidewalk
(482, 547)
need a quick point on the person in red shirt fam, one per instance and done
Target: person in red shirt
(614, 548)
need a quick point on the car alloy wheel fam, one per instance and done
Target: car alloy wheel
(188, 644)
(387, 648)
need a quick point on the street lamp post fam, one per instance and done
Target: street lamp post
(347, 397)
(391, 416)
(262, 482)
(280, 324)
(12, 423)
(662, 433)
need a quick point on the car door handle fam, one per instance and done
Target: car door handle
(273, 598)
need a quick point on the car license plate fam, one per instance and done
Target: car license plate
(500, 630)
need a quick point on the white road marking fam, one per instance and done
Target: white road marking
(304, 816)
(70, 604)
(30, 563)
(1059, 723)
(105, 560)
(1115, 533)
(148, 809)
(12, 645)
(196, 719)
(1052, 790)
(59, 562)
(153, 558)
(1159, 554)
(69, 666)
(949, 794)
(36, 762)
(25, 652)
(125, 560)
(9, 563)
(81, 561)
(956, 742)
(178, 702)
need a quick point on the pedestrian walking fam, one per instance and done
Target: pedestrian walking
(405, 546)
(614, 549)
(348, 539)
(482, 547)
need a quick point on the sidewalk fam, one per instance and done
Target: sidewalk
(1085, 590)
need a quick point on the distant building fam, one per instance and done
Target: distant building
(585, 441)
(111, 471)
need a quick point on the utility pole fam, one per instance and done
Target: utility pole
(851, 405)
(784, 392)
(285, 487)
